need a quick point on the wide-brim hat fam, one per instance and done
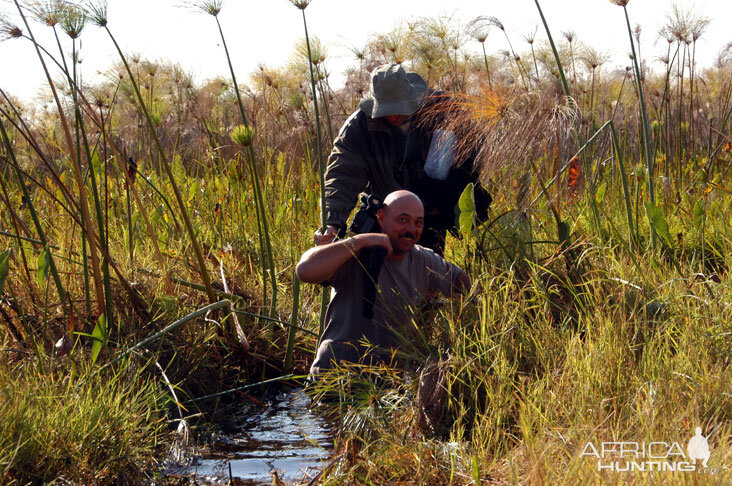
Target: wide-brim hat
(393, 92)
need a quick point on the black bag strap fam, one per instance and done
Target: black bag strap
(372, 259)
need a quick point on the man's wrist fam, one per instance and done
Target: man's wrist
(352, 243)
(360, 241)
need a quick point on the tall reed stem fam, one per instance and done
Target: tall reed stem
(255, 182)
(321, 167)
(644, 118)
(293, 321)
(75, 163)
(554, 50)
(103, 240)
(169, 171)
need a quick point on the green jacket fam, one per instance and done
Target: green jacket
(365, 159)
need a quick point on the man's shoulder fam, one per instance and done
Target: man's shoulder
(357, 119)
(359, 126)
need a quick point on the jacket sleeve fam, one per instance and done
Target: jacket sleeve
(347, 174)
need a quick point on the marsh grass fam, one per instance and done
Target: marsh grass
(52, 427)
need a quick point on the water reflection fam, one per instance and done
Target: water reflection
(285, 436)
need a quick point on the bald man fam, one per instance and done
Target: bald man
(409, 274)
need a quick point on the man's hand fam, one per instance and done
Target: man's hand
(321, 238)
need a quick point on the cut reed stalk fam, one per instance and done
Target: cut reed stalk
(246, 387)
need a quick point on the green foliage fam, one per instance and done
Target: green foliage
(563, 232)
(658, 222)
(96, 163)
(99, 336)
(699, 214)
(242, 135)
(466, 206)
(4, 268)
(42, 272)
(476, 470)
(600, 193)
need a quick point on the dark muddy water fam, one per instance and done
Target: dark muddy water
(284, 436)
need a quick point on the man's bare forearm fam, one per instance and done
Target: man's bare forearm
(319, 263)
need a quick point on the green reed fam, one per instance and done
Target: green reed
(99, 17)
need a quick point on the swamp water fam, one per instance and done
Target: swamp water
(284, 435)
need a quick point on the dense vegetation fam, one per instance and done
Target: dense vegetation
(600, 309)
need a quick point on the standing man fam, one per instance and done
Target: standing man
(392, 142)
(409, 274)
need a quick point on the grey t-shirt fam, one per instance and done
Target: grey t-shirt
(402, 287)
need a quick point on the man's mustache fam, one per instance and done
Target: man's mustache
(407, 235)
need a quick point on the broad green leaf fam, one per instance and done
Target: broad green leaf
(42, 273)
(99, 335)
(466, 203)
(4, 268)
(466, 208)
(655, 216)
(698, 214)
(466, 223)
(600, 194)
(193, 191)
